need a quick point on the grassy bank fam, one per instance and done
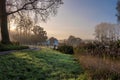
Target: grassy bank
(45, 64)
(12, 47)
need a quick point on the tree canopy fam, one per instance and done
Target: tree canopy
(39, 9)
(105, 32)
(36, 9)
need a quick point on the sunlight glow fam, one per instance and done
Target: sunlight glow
(12, 26)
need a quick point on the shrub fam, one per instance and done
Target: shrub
(66, 49)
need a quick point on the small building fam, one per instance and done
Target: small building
(53, 43)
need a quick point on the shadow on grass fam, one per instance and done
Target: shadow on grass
(38, 65)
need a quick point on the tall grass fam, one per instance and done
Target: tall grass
(100, 68)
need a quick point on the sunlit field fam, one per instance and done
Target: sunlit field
(45, 64)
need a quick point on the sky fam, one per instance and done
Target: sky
(79, 18)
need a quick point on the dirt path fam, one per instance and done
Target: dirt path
(98, 63)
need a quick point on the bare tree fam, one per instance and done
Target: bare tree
(106, 32)
(73, 41)
(39, 9)
(118, 11)
(36, 35)
(40, 36)
(24, 27)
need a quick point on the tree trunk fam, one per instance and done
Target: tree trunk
(4, 23)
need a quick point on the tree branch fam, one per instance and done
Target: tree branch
(33, 7)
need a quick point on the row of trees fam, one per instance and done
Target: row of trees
(107, 41)
(11, 9)
(26, 32)
(107, 37)
(107, 32)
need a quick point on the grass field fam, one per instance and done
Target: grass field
(45, 64)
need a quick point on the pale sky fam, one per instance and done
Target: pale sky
(79, 18)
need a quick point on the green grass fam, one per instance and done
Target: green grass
(11, 47)
(45, 64)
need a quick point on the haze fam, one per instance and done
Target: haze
(79, 18)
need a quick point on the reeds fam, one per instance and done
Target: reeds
(101, 68)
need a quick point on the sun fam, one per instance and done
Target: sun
(12, 26)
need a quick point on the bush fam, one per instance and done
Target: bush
(66, 49)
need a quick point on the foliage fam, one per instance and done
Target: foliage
(12, 9)
(26, 33)
(80, 50)
(73, 41)
(66, 49)
(12, 47)
(118, 11)
(45, 64)
(98, 75)
(98, 68)
(84, 77)
(104, 74)
(40, 35)
(40, 10)
(106, 32)
(109, 50)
